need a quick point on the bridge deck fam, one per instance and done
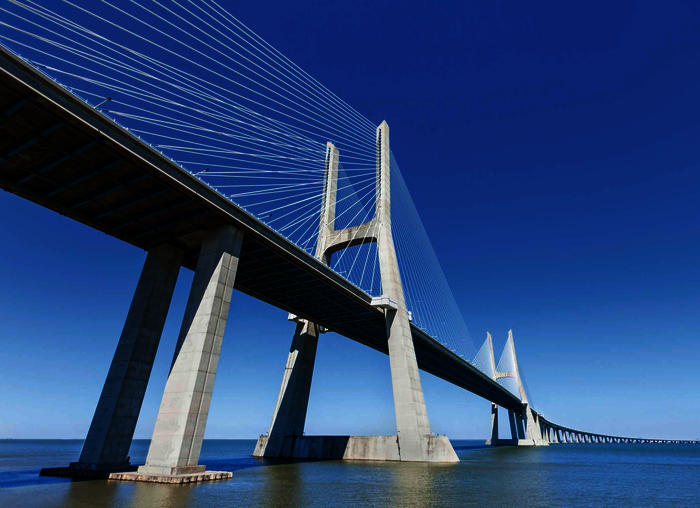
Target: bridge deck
(58, 152)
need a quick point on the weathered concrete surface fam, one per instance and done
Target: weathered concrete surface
(289, 416)
(166, 478)
(438, 448)
(179, 430)
(412, 422)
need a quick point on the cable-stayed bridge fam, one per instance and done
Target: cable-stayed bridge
(172, 126)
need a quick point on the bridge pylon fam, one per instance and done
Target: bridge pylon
(414, 440)
(524, 426)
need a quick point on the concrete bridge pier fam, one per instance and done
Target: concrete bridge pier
(109, 437)
(517, 426)
(532, 428)
(289, 417)
(554, 436)
(493, 440)
(173, 455)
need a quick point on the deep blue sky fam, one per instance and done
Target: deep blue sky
(552, 152)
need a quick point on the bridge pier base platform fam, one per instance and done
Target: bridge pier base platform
(130, 473)
(179, 477)
(384, 448)
(516, 442)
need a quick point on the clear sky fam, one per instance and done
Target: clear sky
(552, 152)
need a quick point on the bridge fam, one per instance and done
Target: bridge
(198, 142)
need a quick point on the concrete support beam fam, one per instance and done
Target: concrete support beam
(517, 429)
(289, 416)
(179, 430)
(493, 440)
(412, 423)
(112, 428)
(326, 228)
(107, 444)
(532, 428)
(554, 436)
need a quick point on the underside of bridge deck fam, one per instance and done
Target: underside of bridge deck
(57, 151)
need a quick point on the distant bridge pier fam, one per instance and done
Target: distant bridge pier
(554, 435)
(414, 440)
(494, 425)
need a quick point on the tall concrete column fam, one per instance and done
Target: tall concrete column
(412, 422)
(182, 418)
(517, 429)
(494, 426)
(289, 416)
(112, 428)
(532, 427)
(327, 223)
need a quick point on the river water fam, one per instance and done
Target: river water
(583, 475)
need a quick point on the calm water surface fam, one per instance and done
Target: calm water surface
(584, 475)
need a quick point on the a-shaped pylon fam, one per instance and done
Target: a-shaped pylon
(414, 440)
(524, 425)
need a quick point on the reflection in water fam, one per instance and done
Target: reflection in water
(283, 485)
(89, 493)
(414, 483)
(161, 495)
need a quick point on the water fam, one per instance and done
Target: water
(584, 475)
